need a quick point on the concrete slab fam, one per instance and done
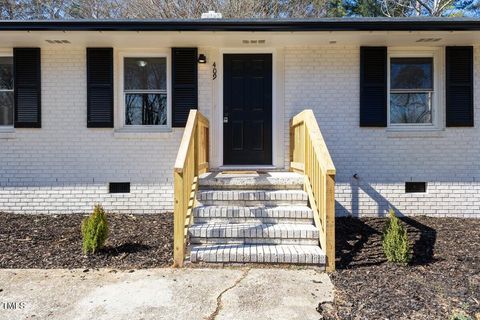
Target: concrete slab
(163, 294)
(277, 294)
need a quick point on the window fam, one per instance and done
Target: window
(411, 91)
(145, 91)
(6, 91)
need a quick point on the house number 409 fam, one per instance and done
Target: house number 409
(214, 71)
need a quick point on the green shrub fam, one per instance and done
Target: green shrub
(94, 230)
(395, 241)
(460, 316)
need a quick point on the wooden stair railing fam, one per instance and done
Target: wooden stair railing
(309, 155)
(192, 160)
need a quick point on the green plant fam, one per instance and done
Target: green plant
(395, 241)
(94, 230)
(460, 316)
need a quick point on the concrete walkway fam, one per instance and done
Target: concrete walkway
(163, 294)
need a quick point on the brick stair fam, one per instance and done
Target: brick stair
(253, 218)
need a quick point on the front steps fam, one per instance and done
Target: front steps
(253, 218)
(254, 214)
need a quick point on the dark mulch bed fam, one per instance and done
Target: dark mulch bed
(47, 241)
(442, 280)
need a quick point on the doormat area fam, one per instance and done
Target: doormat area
(240, 172)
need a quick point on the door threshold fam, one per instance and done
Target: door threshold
(247, 167)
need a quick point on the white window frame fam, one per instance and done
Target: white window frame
(438, 85)
(3, 128)
(161, 53)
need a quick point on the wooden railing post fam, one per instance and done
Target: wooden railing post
(330, 223)
(178, 221)
(190, 162)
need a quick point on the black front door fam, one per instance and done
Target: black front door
(247, 109)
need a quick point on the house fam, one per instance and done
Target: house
(94, 111)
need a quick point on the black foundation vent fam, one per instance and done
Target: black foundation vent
(119, 187)
(415, 187)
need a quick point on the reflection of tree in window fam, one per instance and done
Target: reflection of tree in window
(411, 88)
(410, 108)
(145, 109)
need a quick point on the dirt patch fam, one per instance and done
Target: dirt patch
(54, 241)
(442, 280)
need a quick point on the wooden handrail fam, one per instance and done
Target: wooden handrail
(309, 155)
(192, 160)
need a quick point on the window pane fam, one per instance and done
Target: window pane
(410, 108)
(6, 108)
(145, 73)
(6, 73)
(411, 73)
(145, 109)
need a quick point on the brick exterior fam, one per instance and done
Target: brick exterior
(65, 167)
(327, 81)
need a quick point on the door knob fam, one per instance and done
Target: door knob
(225, 119)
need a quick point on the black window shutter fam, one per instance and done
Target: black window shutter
(459, 86)
(373, 86)
(99, 87)
(184, 84)
(27, 87)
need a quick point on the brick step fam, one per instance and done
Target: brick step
(254, 215)
(251, 181)
(247, 198)
(246, 233)
(227, 253)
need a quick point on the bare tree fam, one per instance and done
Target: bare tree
(240, 9)
(228, 8)
(435, 8)
(96, 9)
(33, 9)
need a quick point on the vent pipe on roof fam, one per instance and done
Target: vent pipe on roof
(212, 15)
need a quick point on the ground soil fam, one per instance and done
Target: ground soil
(54, 241)
(442, 281)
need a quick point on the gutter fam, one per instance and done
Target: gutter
(273, 25)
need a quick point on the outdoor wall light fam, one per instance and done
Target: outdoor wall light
(202, 58)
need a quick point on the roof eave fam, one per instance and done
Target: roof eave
(246, 25)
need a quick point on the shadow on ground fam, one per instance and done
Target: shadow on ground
(359, 244)
(126, 248)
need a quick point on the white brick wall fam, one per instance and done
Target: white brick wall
(65, 167)
(326, 79)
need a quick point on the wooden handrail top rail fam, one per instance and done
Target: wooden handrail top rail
(309, 155)
(201, 118)
(193, 117)
(319, 146)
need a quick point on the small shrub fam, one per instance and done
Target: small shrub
(94, 230)
(460, 316)
(395, 241)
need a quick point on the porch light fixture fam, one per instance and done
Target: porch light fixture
(202, 58)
